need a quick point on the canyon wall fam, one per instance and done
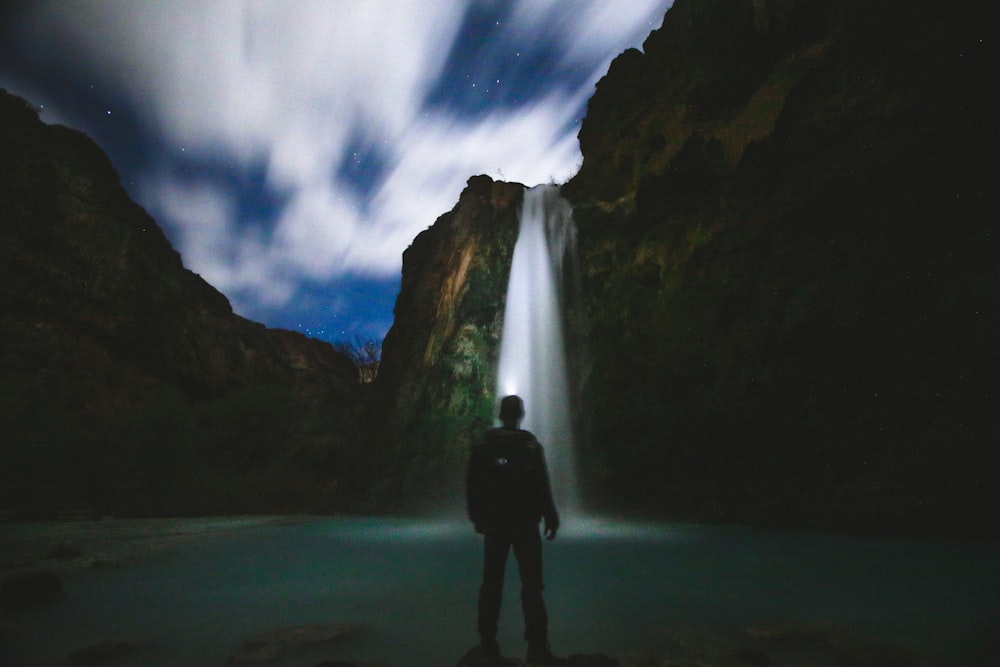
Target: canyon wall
(128, 385)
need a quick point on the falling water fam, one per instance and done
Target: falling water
(533, 350)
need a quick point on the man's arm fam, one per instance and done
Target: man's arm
(545, 502)
(474, 490)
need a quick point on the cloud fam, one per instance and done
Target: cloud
(238, 260)
(250, 77)
(590, 32)
(443, 152)
(293, 88)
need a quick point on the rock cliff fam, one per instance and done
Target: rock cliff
(789, 238)
(436, 383)
(788, 232)
(128, 384)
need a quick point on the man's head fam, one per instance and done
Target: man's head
(511, 410)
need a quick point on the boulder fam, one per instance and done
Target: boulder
(591, 660)
(473, 658)
(64, 551)
(101, 653)
(269, 646)
(30, 590)
(767, 646)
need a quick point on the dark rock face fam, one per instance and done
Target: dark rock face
(789, 240)
(128, 384)
(434, 392)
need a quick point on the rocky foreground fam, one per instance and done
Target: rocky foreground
(755, 647)
(28, 587)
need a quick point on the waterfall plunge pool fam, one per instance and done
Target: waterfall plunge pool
(190, 592)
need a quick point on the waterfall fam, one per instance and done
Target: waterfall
(532, 349)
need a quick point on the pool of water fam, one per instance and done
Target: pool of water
(191, 592)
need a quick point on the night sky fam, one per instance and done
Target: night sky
(291, 150)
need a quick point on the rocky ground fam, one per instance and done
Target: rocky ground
(61, 546)
(765, 646)
(756, 647)
(35, 563)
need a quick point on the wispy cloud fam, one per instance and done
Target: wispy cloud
(366, 118)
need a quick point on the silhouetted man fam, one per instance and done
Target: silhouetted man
(507, 488)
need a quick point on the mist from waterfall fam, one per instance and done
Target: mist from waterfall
(533, 346)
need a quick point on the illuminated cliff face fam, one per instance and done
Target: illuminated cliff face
(434, 393)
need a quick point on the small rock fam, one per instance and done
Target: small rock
(63, 551)
(256, 655)
(101, 653)
(752, 657)
(30, 590)
(593, 660)
(306, 635)
(473, 658)
(269, 646)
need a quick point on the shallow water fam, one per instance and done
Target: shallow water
(191, 592)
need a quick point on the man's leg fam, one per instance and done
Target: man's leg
(528, 551)
(496, 546)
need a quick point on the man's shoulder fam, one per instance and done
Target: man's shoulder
(531, 443)
(509, 436)
(530, 440)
